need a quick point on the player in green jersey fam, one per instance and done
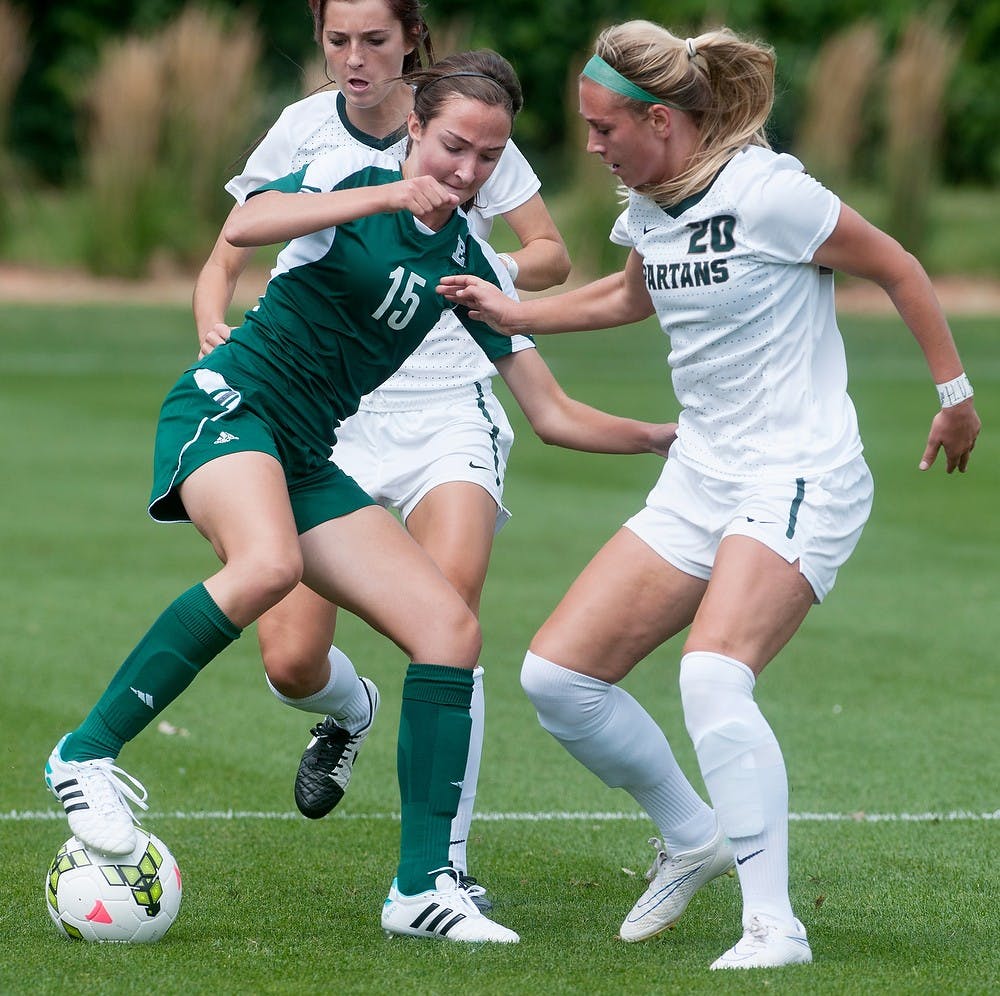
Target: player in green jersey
(433, 442)
(242, 452)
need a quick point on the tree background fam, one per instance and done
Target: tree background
(543, 40)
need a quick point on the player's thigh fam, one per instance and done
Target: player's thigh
(626, 602)
(455, 523)
(295, 635)
(368, 564)
(240, 503)
(755, 602)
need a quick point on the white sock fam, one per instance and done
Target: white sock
(745, 775)
(344, 696)
(463, 818)
(607, 731)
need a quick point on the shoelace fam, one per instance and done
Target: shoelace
(659, 861)
(757, 930)
(108, 785)
(465, 889)
(334, 737)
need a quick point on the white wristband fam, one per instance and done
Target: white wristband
(511, 265)
(955, 391)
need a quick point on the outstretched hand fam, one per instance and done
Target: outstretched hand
(954, 430)
(486, 302)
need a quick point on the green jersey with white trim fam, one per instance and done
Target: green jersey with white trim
(447, 366)
(345, 306)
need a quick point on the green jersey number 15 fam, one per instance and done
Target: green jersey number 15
(407, 299)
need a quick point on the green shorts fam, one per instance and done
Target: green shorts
(203, 418)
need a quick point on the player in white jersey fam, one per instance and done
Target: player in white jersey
(433, 442)
(765, 492)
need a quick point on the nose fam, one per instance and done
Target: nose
(465, 170)
(594, 143)
(354, 57)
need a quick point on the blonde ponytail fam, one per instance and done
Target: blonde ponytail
(725, 83)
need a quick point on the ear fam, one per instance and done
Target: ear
(660, 120)
(411, 41)
(413, 127)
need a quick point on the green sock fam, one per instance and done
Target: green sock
(433, 747)
(190, 633)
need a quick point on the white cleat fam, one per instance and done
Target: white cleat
(767, 943)
(446, 912)
(96, 796)
(673, 880)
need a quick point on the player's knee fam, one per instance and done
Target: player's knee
(713, 688)
(267, 576)
(569, 705)
(294, 666)
(452, 636)
(468, 635)
(537, 680)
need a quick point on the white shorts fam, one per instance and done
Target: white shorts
(398, 457)
(816, 521)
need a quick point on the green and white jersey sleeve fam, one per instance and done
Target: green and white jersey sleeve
(446, 364)
(345, 306)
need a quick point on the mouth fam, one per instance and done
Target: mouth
(358, 85)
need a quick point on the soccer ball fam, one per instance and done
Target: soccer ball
(94, 897)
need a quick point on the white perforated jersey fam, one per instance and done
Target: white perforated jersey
(447, 362)
(757, 360)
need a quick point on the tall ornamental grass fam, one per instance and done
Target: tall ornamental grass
(166, 119)
(840, 82)
(14, 52)
(211, 104)
(918, 75)
(124, 116)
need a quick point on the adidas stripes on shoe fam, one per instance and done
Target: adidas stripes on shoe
(446, 912)
(96, 796)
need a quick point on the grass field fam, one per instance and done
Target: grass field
(886, 705)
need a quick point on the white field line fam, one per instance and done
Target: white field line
(41, 815)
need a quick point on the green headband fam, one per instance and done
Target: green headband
(609, 77)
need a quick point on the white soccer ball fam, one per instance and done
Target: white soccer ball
(93, 897)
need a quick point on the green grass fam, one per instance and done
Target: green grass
(885, 703)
